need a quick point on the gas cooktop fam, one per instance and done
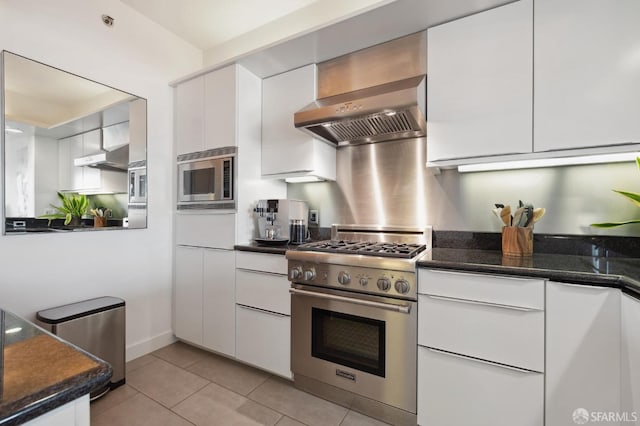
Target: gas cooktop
(368, 248)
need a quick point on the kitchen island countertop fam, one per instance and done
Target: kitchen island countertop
(618, 272)
(40, 372)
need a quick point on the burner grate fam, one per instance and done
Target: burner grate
(367, 248)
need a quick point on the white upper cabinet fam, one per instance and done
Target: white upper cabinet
(189, 101)
(587, 73)
(220, 108)
(287, 151)
(479, 84)
(206, 111)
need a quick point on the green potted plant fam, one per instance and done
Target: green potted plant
(73, 207)
(634, 197)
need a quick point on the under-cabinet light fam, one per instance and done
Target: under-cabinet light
(12, 130)
(13, 330)
(303, 179)
(550, 162)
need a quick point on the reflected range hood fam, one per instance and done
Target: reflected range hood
(114, 150)
(386, 112)
(116, 160)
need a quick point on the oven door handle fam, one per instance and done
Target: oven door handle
(404, 309)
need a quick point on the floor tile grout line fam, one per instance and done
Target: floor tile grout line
(190, 395)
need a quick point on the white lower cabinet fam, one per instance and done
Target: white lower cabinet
(455, 390)
(74, 413)
(481, 349)
(205, 298)
(188, 294)
(263, 308)
(582, 351)
(630, 356)
(218, 298)
(263, 339)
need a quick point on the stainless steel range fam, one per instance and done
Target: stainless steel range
(354, 318)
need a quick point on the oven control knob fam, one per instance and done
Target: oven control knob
(296, 273)
(344, 278)
(309, 274)
(402, 286)
(384, 284)
(364, 281)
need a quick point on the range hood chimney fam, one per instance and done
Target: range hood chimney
(386, 112)
(373, 95)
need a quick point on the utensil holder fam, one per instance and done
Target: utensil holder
(99, 222)
(517, 241)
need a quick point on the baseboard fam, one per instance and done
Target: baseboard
(144, 347)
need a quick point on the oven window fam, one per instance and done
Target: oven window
(349, 340)
(199, 181)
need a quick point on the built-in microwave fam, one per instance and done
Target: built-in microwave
(206, 182)
(137, 185)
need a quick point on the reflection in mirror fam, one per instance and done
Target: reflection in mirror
(63, 135)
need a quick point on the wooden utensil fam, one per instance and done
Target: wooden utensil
(505, 215)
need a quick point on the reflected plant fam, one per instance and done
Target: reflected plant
(73, 205)
(634, 197)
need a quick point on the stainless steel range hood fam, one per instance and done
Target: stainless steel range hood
(116, 160)
(386, 112)
(114, 150)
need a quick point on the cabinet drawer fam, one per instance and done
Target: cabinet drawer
(206, 230)
(523, 292)
(274, 263)
(262, 290)
(504, 334)
(263, 339)
(455, 390)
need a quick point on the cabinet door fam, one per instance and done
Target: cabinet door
(479, 79)
(263, 339)
(188, 294)
(454, 390)
(220, 108)
(91, 144)
(630, 372)
(286, 149)
(70, 177)
(587, 73)
(189, 102)
(218, 299)
(583, 351)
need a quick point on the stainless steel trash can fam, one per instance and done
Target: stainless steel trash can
(95, 325)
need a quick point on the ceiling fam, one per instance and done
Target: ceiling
(47, 97)
(208, 23)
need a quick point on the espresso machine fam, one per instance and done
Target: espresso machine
(278, 218)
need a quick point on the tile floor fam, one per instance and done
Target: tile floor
(183, 386)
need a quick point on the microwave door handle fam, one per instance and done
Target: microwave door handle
(404, 309)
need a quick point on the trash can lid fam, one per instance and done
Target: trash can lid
(79, 309)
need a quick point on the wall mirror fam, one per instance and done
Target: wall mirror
(69, 137)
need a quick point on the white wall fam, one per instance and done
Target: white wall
(137, 56)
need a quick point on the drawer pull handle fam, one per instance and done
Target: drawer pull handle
(264, 311)
(482, 361)
(476, 302)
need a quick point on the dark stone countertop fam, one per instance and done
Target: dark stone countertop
(609, 262)
(260, 248)
(40, 372)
